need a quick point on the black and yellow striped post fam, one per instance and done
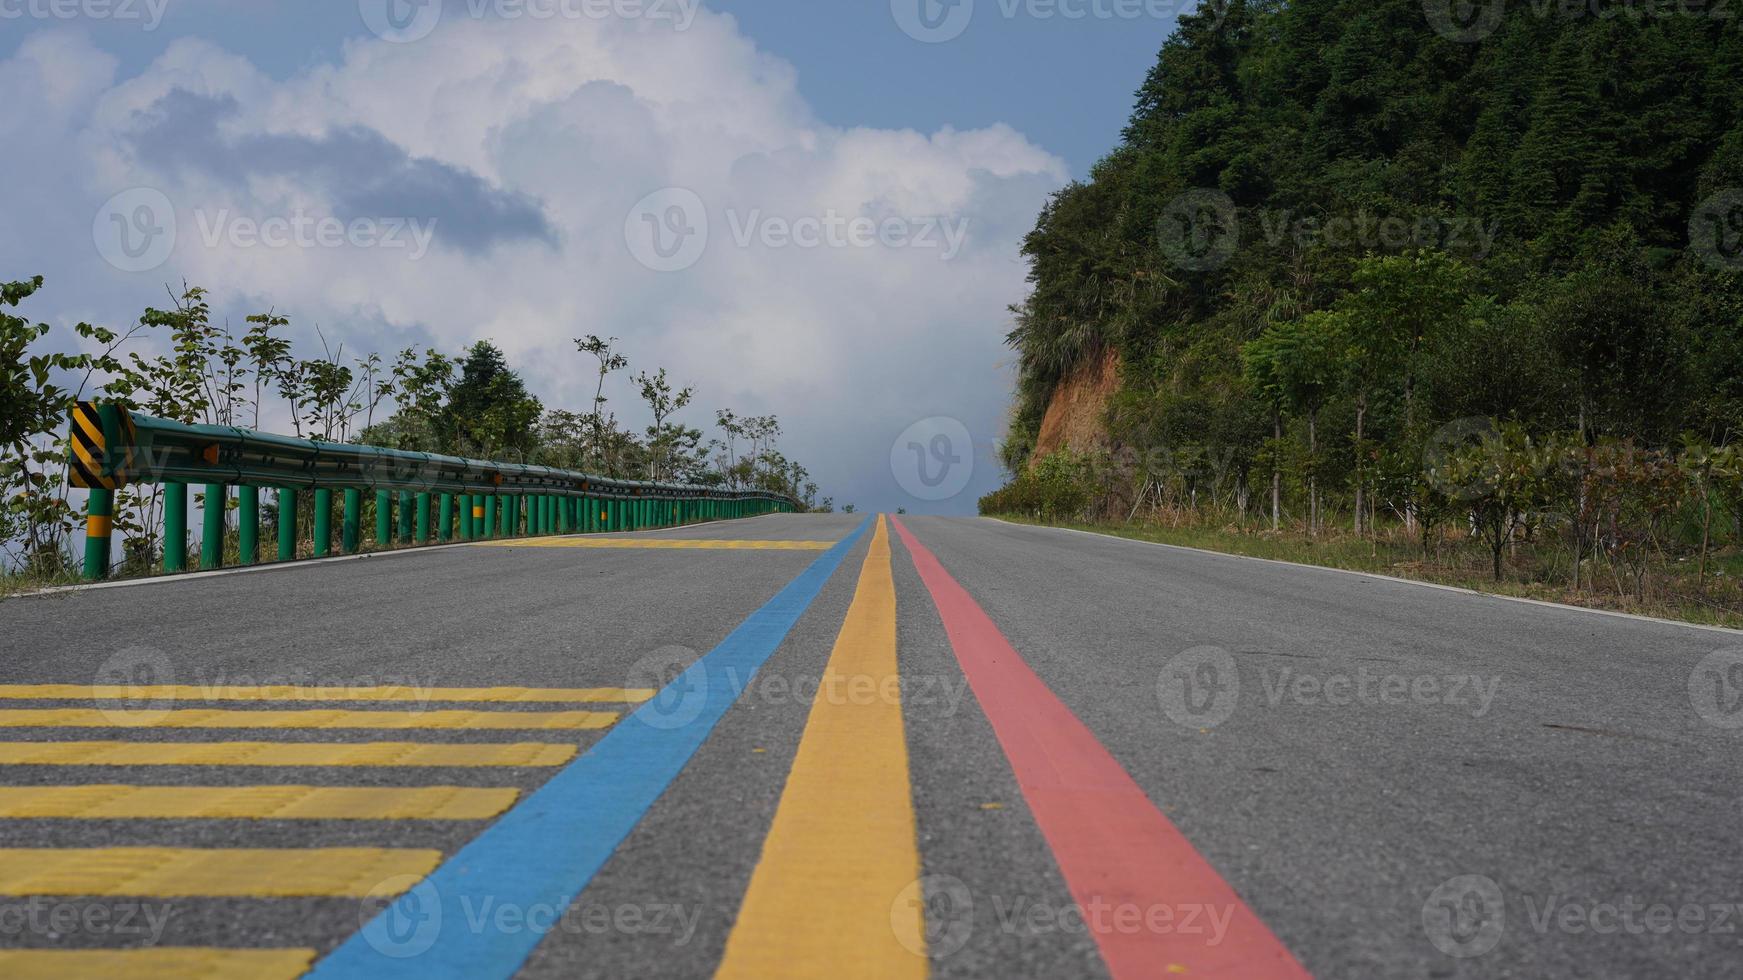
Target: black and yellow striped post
(99, 459)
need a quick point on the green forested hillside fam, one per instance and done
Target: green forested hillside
(1429, 230)
(1409, 277)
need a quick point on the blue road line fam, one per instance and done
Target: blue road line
(542, 853)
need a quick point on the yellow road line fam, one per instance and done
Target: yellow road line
(335, 718)
(221, 692)
(282, 754)
(161, 963)
(824, 899)
(701, 544)
(110, 802)
(186, 872)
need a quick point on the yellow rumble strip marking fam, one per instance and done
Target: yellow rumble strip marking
(216, 718)
(254, 802)
(221, 692)
(701, 544)
(282, 754)
(186, 872)
(833, 893)
(163, 963)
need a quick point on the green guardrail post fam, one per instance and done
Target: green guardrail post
(287, 524)
(212, 527)
(323, 522)
(351, 525)
(445, 518)
(465, 517)
(405, 517)
(175, 527)
(248, 525)
(483, 516)
(423, 518)
(383, 518)
(99, 526)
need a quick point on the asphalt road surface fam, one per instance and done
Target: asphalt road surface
(832, 745)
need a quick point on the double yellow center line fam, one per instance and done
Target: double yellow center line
(823, 900)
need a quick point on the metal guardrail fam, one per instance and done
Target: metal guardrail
(420, 498)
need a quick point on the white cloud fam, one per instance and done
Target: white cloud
(578, 119)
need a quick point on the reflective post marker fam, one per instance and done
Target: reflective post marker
(99, 519)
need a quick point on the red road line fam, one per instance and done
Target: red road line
(1132, 872)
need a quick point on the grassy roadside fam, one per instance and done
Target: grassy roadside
(1675, 599)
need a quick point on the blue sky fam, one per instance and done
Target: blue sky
(535, 150)
(1065, 83)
